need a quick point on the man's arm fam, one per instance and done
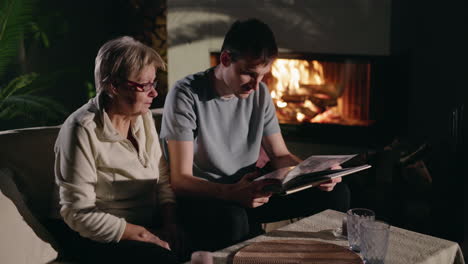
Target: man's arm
(246, 192)
(277, 151)
(280, 157)
(182, 180)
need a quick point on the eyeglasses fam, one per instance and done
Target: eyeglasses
(142, 87)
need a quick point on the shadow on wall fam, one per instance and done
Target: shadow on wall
(352, 27)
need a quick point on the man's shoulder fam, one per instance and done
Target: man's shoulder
(263, 87)
(263, 92)
(193, 82)
(193, 87)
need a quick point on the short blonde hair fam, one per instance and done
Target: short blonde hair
(117, 59)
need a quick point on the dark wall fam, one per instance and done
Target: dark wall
(76, 30)
(431, 35)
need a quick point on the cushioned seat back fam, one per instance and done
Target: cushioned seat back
(29, 153)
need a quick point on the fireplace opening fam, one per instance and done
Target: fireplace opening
(334, 98)
(318, 91)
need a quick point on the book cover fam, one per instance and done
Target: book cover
(309, 173)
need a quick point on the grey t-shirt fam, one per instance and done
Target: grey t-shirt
(227, 133)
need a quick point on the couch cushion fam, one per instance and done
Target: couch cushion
(22, 237)
(29, 153)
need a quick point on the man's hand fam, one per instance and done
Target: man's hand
(139, 233)
(329, 185)
(249, 193)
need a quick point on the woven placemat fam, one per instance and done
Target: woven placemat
(295, 251)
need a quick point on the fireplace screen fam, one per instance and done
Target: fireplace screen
(319, 91)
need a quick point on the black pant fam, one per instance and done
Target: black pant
(215, 224)
(74, 247)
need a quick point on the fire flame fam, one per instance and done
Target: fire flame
(301, 93)
(290, 75)
(300, 116)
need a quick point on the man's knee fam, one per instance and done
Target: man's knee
(234, 223)
(222, 226)
(339, 197)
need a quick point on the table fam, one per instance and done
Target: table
(404, 246)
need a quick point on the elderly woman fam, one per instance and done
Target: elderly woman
(112, 180)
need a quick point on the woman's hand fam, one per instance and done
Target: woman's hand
(175, 236)
(139, 233)
(170, 231)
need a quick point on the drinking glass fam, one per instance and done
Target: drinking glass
(354, 217)
(374, 241)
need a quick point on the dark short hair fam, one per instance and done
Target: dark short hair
(250, 38)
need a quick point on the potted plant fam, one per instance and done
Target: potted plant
(20, 101)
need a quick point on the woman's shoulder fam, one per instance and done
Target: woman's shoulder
(85, 116)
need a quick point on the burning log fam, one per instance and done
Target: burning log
(294, 98)
(330, 90)
(291, 111)
(321, 95)
(323, 103)
(320, 101)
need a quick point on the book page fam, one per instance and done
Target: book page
(317, 163)
(278, 174)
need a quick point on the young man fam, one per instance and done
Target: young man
(215, 123)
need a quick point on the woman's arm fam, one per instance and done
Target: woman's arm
(76, 175)
(164, 189)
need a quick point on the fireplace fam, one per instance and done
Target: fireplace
(311, 90)
(361, 96)
(329, 98)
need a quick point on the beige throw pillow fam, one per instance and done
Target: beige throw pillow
(20, 231)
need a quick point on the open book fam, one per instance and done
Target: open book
(309, 173)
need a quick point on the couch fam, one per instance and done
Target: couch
(26, 184)
(26, 188)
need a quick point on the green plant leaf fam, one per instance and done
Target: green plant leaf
(14, 17)
(31, 107)
(39, 34)
(17, 84)
(19, 102)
